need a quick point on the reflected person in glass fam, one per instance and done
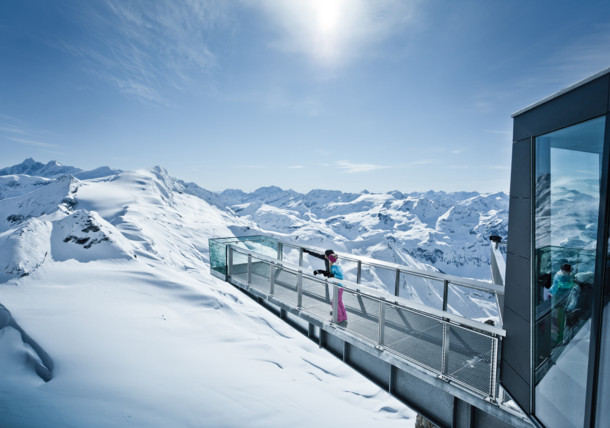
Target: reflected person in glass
(563, 282)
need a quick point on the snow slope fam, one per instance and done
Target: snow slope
(109, 274)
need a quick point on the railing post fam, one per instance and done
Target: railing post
(359, 272)
(230, 260)
(300, 256)
(381, 322)
(300, 289)
(493, 375)
(445, 350)
(397, 283)
(271, 279)
(249, 269)
(445, 294)
(280, 251)
(335, 302)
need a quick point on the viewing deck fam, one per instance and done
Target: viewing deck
(438, 362)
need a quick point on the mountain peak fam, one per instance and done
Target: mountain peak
(31, 167)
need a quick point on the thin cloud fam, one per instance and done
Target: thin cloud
(12, 130)
(32, 142)
(353, 167)
(18, 132)
(141, 47)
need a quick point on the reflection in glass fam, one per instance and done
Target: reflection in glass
(567, 199)
(603, 410)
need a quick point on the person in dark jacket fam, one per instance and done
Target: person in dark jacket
(326, 272)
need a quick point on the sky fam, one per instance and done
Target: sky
(409, 95)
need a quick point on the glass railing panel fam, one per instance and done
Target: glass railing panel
(291, 255)
(240, 263)
(218, 256)
(286, 286)
(378, 278)
(269, 247)
(473, 304)
(425, 291)
(415, 336)
(362, 314)
(317, 296)
(260, 274)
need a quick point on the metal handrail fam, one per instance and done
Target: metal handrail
(437, 276)
(446, 280)
(447, 320)
(378, 295)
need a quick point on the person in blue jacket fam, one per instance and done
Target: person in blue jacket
(563, 282)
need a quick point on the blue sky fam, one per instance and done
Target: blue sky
(302, 94)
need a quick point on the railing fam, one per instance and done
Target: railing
(454, 348)
(389, 275)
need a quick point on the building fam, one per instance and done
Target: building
(556, 356)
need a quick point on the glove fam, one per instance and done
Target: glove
(315, 272)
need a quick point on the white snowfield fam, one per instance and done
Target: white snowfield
(109, 274)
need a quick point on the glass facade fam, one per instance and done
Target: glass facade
(567, 195)
(603, 388)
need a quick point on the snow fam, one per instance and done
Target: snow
(109, 273)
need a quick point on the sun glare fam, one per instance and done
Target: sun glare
(328, 29)
(327, 15)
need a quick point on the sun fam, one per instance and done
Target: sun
(328, 28)
(327, 14)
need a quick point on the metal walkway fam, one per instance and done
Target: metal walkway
(440, 364)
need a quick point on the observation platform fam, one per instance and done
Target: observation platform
(439, 363)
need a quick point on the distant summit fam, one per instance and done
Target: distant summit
(54, 169)
(31, 167)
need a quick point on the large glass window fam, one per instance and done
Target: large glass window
(567, 199)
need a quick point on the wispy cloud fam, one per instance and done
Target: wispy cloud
(18, 132)
(354, 167)
(332, 32)
(31, 142)
(142, 47)
(267, 166)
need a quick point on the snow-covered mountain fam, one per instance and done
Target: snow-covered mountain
(449, 231)
(108, 272)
